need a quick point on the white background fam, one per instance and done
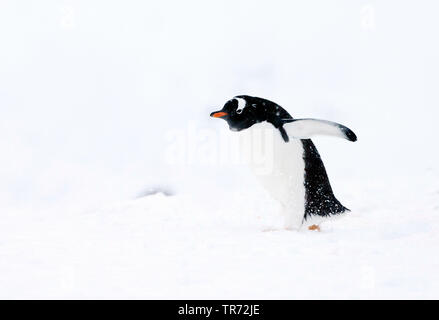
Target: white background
(92, 92)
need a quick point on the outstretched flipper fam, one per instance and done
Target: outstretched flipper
(307, 128)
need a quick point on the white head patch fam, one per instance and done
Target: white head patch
(241, 104)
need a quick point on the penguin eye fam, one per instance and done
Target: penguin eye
(238, 111)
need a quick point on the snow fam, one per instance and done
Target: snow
(102, 102)
(231, 246)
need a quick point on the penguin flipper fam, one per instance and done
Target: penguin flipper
(306, 128)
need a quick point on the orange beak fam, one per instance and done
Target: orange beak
(218, 114)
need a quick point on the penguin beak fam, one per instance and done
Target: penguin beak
(218, 114)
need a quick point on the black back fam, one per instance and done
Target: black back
(319, 198)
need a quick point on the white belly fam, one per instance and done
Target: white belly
(279, 166)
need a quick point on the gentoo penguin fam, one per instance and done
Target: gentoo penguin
(297, 178)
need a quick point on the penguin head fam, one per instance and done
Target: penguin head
(241, 112)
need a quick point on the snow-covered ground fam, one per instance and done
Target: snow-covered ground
(228, 245)
(101, 101)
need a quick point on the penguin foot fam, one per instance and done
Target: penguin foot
(314, 227)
